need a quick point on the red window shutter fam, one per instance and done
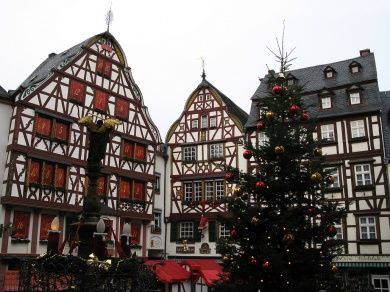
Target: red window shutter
(101, 186)
(122, 108)
(101, 100)
(124, 189)
(107, 69)
(43, 126)
(77, 91)
(60, 177)
(135, 233)
(128, 149)
(139, 191)
(21, 224)
(48, 172)
(61, 131)
(99, 65)
(45, 226)
(34, 172)
(139, 152)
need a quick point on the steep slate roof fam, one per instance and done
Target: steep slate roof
(3, 93)
(232, 107)
(385, 97)
(313, 80)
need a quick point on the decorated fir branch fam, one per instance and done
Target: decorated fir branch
(282, 228)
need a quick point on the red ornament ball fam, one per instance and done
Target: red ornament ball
(260, 185)
(266, 265)
(311, 211)
(304, 116)
(294, 109)
(229, 176)
(331, 230)
(247, 154)
(233, 233)
(260, 125)
(277, 89)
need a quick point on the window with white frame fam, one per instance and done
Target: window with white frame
(204, 122)
(209, 194)
(213, 122)
(367, 227)
(157, 221)
(200, 98)
(216, 151)
(334, 172)
(194, 124)
(355, 69)
(326, 102)
(362, 174)
(339, 230)
(197, 191)
(357, 129)
(381, 282)
(186, 230)
(189, 153)
(188, 192)
(263, 139)
(290, 81)
(354, 97)
(327, 132)
(223, 231)
(208, 96)
(329, 74)
(219, 189)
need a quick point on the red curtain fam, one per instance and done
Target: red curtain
(128, 150)
(107, 69)
(101, 100)
(77, 91)
(99, 65)
(101, 186)
(21, 224)
(43, 126)
(135, 233)
(139, 191)
(103, 67)
(61, 131)
(121, 108)
(45, 226)
(140, 152)
(48, 173)
(34, 172)
(60, 177)
(124, 189)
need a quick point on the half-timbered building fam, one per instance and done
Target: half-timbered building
(345, 99)
(202, 143)
(46, 149)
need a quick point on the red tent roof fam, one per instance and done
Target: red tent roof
(168, 271)
(208, 269)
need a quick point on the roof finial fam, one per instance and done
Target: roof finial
(109, 18)
(203, 72)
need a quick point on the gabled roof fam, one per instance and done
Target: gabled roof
(3, 93)
(313, 81)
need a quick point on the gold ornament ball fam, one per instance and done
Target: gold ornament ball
(334, 269)
(316, 177)
(288, 237)
(238, 191)
(317, 152)
(279, 149)
(226, 259)
(269, 115)
(255, 221)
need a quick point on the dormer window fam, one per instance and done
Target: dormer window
(291, 79)
(290, 82)
(355, 67)
(354, 98)
(326, 102)
(329, 72)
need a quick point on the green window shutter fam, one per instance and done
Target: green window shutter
(173, 231)
(212, 231)
(197, 234)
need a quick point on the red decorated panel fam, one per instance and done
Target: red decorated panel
(107, 69)
(108, 223)
(139, 191)
(135, 233)
(60, 177)
(140, 151)
(61, 131)
(101, 186)
(34, 172)
(45, 226)
(101, 100)
(121, 108)
(48, 174)
(99, 65)
(21, 224)
(77, 91)
(128, 150)
(43, 126)
(124, 189)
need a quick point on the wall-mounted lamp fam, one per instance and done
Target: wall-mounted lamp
(99, 238)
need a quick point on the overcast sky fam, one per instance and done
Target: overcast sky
(165, 40)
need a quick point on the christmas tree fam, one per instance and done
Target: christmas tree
(281, 226)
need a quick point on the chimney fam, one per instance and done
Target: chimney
(52, 55)
(364, 53)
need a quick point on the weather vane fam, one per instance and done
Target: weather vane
(109, 18)
(203, 72)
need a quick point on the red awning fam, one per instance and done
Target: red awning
(208, 269)
(168, 271)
